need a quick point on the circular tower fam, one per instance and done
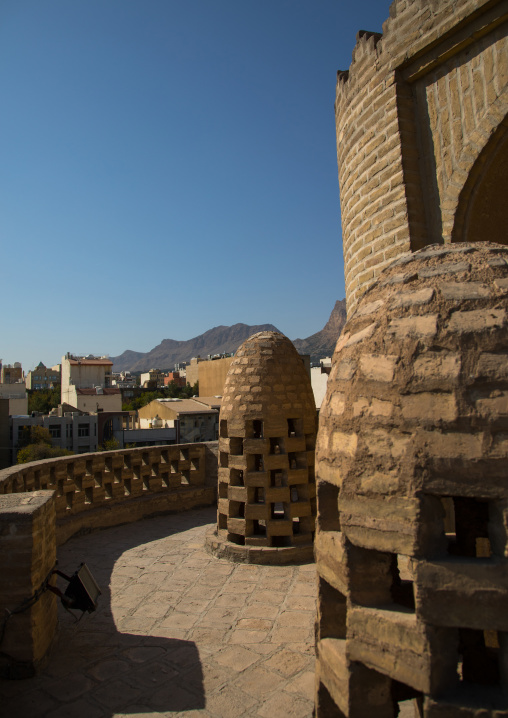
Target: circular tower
(266, 502)
(412, 470)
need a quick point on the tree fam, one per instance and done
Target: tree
(109, 445)
(35, 444)
(43, 400)
(171, 391)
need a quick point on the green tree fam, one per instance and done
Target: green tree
(43, 400)
(37, 452)
(171, 391)
(33, 435)
(109, 445)
(35, 444)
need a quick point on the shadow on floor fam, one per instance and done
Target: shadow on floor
(95, 669)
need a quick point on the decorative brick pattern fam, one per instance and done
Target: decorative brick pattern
(411, 464)
(113, 487)
(266, 454)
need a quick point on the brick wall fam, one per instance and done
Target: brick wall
(415, 114)
(44, 503)
(114, 487)
(27, 555)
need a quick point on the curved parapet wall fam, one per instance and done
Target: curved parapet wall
(266, 509)
(44, 503)
(414, 112)
(115, 487)
(411, 464)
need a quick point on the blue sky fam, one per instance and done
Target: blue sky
(168, 167)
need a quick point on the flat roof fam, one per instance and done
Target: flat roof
(91, 362)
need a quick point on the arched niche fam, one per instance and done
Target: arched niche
(482, 212)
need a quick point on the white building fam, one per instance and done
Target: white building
(319, 380)
(194, 421)
(86, 384)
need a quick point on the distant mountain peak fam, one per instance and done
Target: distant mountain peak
(223, 339)
(219, 340)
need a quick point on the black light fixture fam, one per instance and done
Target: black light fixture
(82, 592)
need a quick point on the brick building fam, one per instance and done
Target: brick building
(411, 458)
(422, 144)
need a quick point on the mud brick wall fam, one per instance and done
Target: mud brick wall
(27, 555)
(114, 487)
(411, 463)
(266, 450)
(421, 134)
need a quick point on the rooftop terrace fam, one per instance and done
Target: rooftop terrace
(177, 632)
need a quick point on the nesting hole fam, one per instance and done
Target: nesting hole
(236, 477)
(294, 427)
(333, 611)
(467, 527)
(236, 509)
(276, 445)
(479, 657)
(257, 429)
(259, 528)
(236, 446)
(278, 478)
(281, 541)
(277, 511)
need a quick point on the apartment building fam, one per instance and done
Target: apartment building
(42, 377)
(74, 431)
(196, 422)
(86, 384)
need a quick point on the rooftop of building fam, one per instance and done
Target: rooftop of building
(177, 631)
(89, 360)
(214, 402)
(90, 391)
(185, 406)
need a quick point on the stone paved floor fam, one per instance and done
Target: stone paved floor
(178, 632)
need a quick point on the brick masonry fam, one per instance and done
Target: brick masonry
(267, 493)
(44, 503)
(109, 488)
(27, 555)
(411, 465)
(419, 114)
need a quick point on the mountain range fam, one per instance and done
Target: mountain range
(220, 340)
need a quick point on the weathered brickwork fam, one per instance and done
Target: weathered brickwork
(411, 464)
(420, 119)
(44, 503)
(27, 556)
(114, 487)
(267, 493)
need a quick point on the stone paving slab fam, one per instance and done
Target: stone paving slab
(177, 633)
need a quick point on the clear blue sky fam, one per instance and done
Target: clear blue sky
(167, 167)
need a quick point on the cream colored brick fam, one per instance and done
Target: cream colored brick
(429, 407)
(377, 367)
(344, 443)
(417, 326)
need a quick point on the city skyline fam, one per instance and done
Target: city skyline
(168, 168)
